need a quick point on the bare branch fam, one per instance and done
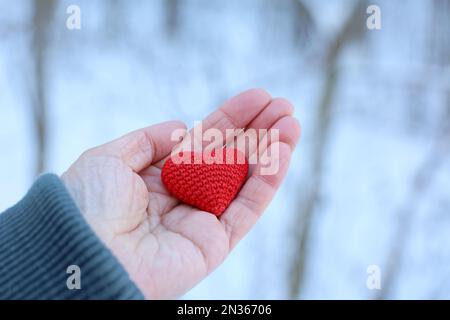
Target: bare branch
(350, 30)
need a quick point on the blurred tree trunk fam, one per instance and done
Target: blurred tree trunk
(407, 213)
(438, 54)
(439, 40)
(351, 29)
(304, 23)
(114, 20)
(172, 16)
(42, 17)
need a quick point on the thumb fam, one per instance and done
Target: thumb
(141, 148)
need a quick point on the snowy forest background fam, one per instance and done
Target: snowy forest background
(370, 180)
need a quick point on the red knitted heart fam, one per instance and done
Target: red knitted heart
(208, 184)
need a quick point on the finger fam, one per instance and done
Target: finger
(248, 140)
(277, 109)
(143, 147)
(237, 112)
(286, 129)
(259, 189)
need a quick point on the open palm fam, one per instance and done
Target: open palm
(166, 246)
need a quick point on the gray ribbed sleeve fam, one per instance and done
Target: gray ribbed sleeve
(41, 236)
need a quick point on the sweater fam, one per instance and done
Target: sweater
(48, 251)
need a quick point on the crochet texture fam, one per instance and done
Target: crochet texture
(210, 184)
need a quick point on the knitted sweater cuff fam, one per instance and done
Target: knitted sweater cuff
(45, 241)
